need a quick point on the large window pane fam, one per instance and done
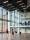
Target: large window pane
(1, 11)
(14, 18)
(5, 20)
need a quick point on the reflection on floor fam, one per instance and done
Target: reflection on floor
(9, 36)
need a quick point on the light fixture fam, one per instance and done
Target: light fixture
(12, 7)
(9, 4)
(21, 4)
(5, 1)
(18, 1)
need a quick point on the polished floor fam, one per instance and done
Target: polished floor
(5, 36)
(9, 36)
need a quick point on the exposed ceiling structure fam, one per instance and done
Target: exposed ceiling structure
(14, 4)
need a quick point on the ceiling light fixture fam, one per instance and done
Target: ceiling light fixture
(9, 4)
(5, 1)
(18, 1)
(21, 4)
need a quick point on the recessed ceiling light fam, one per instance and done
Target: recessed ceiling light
(9, 4)
(21, 4)
(5, 1)
(18, 1)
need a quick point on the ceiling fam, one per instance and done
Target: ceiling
(14, 5)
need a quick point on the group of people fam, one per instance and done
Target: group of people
(15, 32)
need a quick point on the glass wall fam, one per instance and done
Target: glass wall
(1, 11)
(14, 18)
(3, 20)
